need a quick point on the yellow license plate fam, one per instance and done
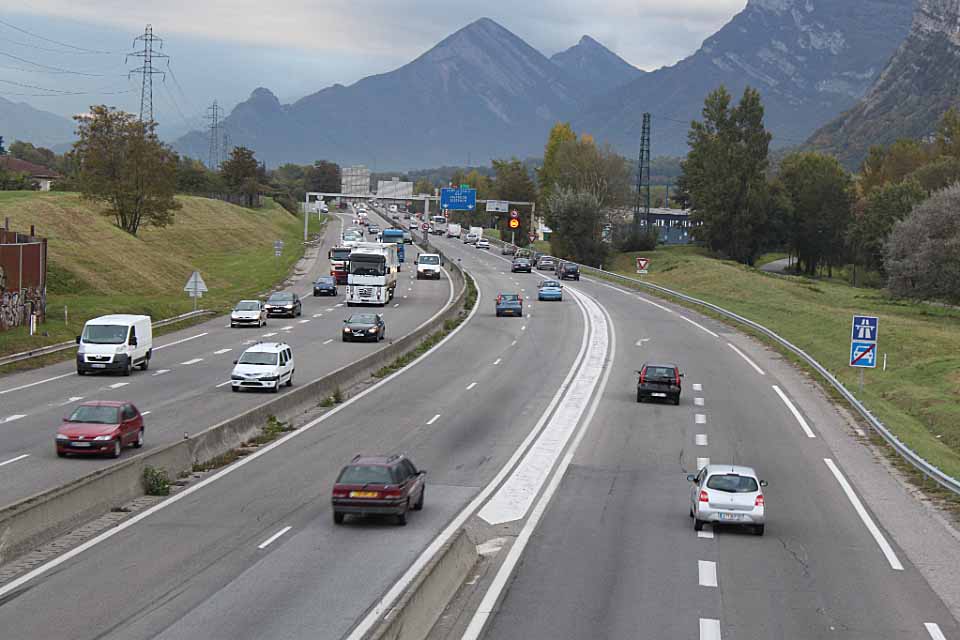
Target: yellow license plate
(364, 494)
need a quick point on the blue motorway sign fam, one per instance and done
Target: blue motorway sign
(458, 199)
(863, 354)
(865, 328)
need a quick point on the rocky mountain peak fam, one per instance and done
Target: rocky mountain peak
(940, 16)
(594, 66)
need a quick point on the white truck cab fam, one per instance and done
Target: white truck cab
(115, 343)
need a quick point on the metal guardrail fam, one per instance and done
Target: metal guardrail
(63, 346)
(931, 471)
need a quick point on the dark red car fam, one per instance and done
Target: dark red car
(100, 428)
(378, 486)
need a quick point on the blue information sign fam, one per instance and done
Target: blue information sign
(863, 354)
(458, 199)
(865, 328)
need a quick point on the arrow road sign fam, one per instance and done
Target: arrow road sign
(863, 354)
(865, 328)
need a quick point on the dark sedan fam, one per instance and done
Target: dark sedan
(364, 326)
(325, 286)
(521, 264)
(283, 303)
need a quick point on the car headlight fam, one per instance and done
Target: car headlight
(346, 329)
(109, 437)
(120, 349)
(289, 306)
(60, 436)
(269, 378)
(236, 377)
(372, 330)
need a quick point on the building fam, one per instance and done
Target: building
(394, 189)
(355, 180)
(23, 278)
(42, 176)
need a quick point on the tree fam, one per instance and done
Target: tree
(241, 172)
(194, 177)
(577, 223)
(323, 176)
(939, 174)
(513, 183)
(583, 167)
(423, 185)
(892, 164)
(37, 155)
(922, 256)
(122, 163)
(821, 196)
(548, 172)
(881, 210)
(724, 175)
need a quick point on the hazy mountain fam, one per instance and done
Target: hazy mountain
(481, 93)
(595, 67)
(921, 82)
(810, 59)
(20, 121)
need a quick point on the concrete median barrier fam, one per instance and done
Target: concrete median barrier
(33, 521)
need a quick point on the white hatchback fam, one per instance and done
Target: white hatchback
(727, 494)
(265, 365)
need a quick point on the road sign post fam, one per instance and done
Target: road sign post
(864, 334)
(195, 287)
(277, 248)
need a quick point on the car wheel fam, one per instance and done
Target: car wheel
(337, 517)
(290, 380)
(345, 339)
(402, 517)
(691, 512)
(697, 524)
(139, 442)
(234, 389)
(419, 504)
(233, 325)
(117, 449)
(81, 372)
(61, 454)
(758, 530)
(676, 401)
(145, 364)
(639, 397)
(498, 314)
(276, 387)
(128, 368)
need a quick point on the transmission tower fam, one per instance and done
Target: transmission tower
(150, 52)
(216, 141)
(643, 176)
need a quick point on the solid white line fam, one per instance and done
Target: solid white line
(193, 361)
(328, 341)
(20, 457)
(796, 414)
(117, 385)
(701, 439)
(222, 351)
(266, 543)
(170, 344)
(497, 361)
(15, 416)
(433, 419)
(698, 402)
(702, 462)
(699, 326)
(934, 630)
(706, 533)
(223, 384)
(269, 335)
(709, 629)
(749, 361)
(33, 384)
(471, 385)
(707, 572)
(698, 387)
(867, 520)
(160, 372)
(700, 418)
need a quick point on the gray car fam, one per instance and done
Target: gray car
(727, 494)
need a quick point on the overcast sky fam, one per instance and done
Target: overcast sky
(223, 50)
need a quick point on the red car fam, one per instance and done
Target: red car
(100, 427)
(378, 485)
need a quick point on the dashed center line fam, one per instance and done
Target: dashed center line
(706, 532)
(145, 413)
(266, 543)
(33, 384)
(117, 385)
(701, 439)
(11, 460)
(709, 629)
(12, 418)
(289, 327)
(270, 335)
(698, 402)
(700, 418)
(796, 414)
(471, 385)
(702, 462)
(318, 315)
(396, 305)
(523, 328)
(433, 419)
(698, 387)
(513, 344)
(328, 341)
(222, 351)
(304, 321)
(707, 571)
(170, 344)
(497, 361)
(161, 372)
(194, 361)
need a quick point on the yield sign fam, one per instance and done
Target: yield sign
(643, 263)
(195, 284)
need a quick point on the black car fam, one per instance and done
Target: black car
(373, 229)
(659, 381)
(283, 303)
(521, 264)
(378, 486)
(325, 286)
(364, 326)
(568, 271)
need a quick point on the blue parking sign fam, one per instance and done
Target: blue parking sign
(865, 328)
(863, 354)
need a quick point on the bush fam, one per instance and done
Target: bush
(640, 240)
(156, 482)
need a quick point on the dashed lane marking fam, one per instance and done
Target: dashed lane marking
(706, 532)
(698, 325)
(701, 439)
(328, 341)
(709, 629)
(270, 335)
(305, 321)
(497, 361)
(146, 413)
(700, 418)
(707, 572)
(170, 344)
(433, 419)
(118, 385)
(12, 460)
(223, 384)
(220, 352)
(161, 372)
(698, 402)
(747, 359)
(266, 543)
(471, 385)
(193, 361)
(318, 315)
(934, 630)
(702, 462)
(698, 387)
(33, 384)
(13, 418)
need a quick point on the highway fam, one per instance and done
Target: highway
(186, 388)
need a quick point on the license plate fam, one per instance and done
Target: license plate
(99, 366)
(81, 444)
(729, 516)
(659, 395)
(364, 494)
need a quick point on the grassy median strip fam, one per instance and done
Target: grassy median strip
(916, 397)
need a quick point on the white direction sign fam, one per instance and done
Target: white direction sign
(195, 286)
(498, 206)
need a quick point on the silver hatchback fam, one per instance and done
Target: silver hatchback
(727, 494)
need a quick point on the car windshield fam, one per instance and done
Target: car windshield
(258, 357)
(325, 280)
(660, 372)
(550, 283)
(340, 254)
(429, 259)
(95, 414)
(361, 265)
(732, 483)
(509, 297)
(105, 334)
(348, 236)
(281, 298)
(248, 305)
(521, 261)
(366, 474)
(363, 318)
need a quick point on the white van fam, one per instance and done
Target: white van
(115, 343)
(453, 230)
(428, 266)
(265, 365)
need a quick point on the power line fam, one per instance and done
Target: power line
(146, 70)
(56, 42)
(51, 69)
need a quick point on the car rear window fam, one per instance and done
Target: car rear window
(732, 483)
(508, 297)
(660, 373)
(366, 474)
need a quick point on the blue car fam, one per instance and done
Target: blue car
(325, 286)
(509, 304)
(550, 290)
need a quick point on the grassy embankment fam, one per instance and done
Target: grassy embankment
(917, 397)
(95, 268)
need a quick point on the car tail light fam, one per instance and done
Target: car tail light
(643, 375)
(392, 493)
(499, 299)
(676, 373)
(759, 501)
(340, 493)
(703, 496)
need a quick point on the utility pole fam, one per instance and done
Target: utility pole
(151, 45)
(215, 157)
(643, 176)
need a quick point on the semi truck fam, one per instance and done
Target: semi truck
(339, 263)
(372, 279)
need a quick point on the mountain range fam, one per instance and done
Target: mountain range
(20, 121)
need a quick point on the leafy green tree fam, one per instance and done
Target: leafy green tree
(939, 174)
(241, 173)
(724, 175)
(583, 167)
(37, 155)
(422, 185)
(513, 183)
(323, 176)
(577, 223)
(123, 164)
(875, 218)
(549, 171)
(892, 164)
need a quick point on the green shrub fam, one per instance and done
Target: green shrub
(156, 482)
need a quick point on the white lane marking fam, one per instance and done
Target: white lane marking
(160, 372)
(20, 457)
(796, 414)
(701, 418)
(289, 327)
(701, 439)
(305, 321)
(523, 328)
(748, 360)
(170, 344)
(433, 419)
(471, 385)
(33, 384)
(404, 297)
(497, 361)
(934, 630)
(338, 305)
(707, 572)
(641, 341)
(698, 326)
(328, 341)
(221, 352)
(513, 344)
(145, 413)
(396, 305)
(706, 532)
(193, 361)
(266, 543)
(702, 462)
(269, 335)
(223, 384)
(698, 402)
(709, 629)
(74, 399)
(867, 520)
(12, 418)
(118, 385)
(318, 315)
(409, 288)
(698, 387)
